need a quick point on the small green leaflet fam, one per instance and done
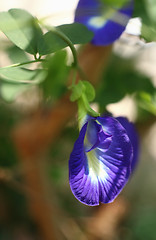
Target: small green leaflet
(77, 91)
(83, 87)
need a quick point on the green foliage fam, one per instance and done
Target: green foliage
(77, 33)
(19, 75)
(84, 93)
(54, 83)
(114, 3)
(82, 87)
(145, 9)
(77, 91)
(121, 79)
(24, 31)
(89, 91)
(147, 102)
(8, 117)
(52, 42)
(21, 28)
(16, 55)
(14, 81)
(9, 91)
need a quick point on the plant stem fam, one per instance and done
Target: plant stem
(67, 40)
(24, 63)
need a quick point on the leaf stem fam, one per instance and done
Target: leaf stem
(23, 63)
(67, 40)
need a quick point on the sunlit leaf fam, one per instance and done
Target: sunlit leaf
(82, 87)
(21, 28)
(89, 91)
(17, 74)
(77, 91)
(16, 55)
(9, 92)
(147, 102)
(145, 9)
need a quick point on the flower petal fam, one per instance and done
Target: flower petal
(106, 22)
(133, 136)
(96, 137)
(99, 176)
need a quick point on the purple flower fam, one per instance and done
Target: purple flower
(134, 138)
(101, 160)
(106, 21)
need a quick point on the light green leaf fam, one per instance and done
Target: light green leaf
(114, 3)
(20, 74)
(89, 91)
(83, 87)
(148, 32)
(9, 92)
(147, 102)
(151, 9)
(89, 110)
(17, 55)
(77, 91)
(21, 28)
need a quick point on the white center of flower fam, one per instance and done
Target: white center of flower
(99, 21)
(109, 14)
(95, 167)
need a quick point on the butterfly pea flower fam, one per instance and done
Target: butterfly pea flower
(102, 159)
(107, 21)
(134, 138)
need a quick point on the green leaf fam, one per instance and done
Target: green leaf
(77, 33)
(145, 9)
(17, 74)
(21, 28)
(140, 10)
(114, 3)
(82, 87)
(9, 92)
(148, 32)
(151, 9)
(147, 102)
(17, 55)
(51, 42)
(121, 79)
(77, 91)
(54, 84)
(89, 91)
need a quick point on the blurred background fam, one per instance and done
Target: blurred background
(36, 202)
